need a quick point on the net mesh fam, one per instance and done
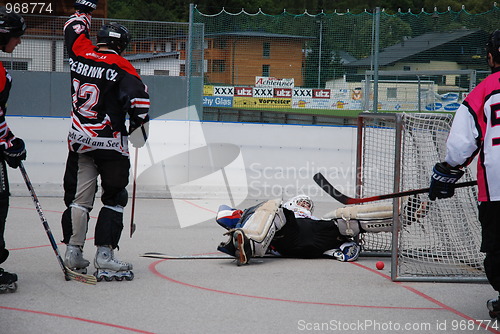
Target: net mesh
(436, 238)
(322, 60)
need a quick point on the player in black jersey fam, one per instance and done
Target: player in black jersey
(105, 89)
(12, 27)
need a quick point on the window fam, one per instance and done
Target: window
(266, 50)
(392, 93)
(266, 70)
(406, 68)
(161, 72)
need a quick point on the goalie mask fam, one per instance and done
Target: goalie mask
(301, 205)
(11, 25)
(114, 36)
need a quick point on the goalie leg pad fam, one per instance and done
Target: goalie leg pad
(361, 212)
(376, 225)
(353, 227)
(372, 218)
(262, 225)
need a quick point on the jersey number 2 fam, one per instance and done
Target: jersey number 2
(87, 92)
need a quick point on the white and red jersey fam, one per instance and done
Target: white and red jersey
(6, 136)
(105, 88)
(476, 131)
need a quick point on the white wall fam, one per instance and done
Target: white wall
(197, 160)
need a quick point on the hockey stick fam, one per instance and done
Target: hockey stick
(156, 255)
(330, 190)
(68, 273)
(134, 185)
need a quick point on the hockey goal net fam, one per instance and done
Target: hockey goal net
(431, 240)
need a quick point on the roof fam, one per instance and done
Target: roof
(416, 45)
(148, 56)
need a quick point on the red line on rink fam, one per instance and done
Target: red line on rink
(76, 318)
(152, 268)
(198, 206)
(429, 298)
(40, 246)
(440, 305)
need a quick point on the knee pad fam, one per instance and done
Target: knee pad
(108, 228)
(262, 225)
(120, 199)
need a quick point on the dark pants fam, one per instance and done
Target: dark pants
(489, 216)
(4, 201)
(306, 238)
(80, 187)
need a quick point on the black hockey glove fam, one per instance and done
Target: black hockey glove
(85, 6)
(138, 134)
(16, 153)
(443, 181)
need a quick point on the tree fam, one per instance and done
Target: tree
(178, 10)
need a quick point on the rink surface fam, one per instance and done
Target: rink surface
(216, 296)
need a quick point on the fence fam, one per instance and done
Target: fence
(319, 63)
(328, 64)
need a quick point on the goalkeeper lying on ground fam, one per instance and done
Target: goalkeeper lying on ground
(290, 229)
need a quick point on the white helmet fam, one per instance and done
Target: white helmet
(300, 203)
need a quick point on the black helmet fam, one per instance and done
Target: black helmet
(11, 25)
(114, 36)
(493, 45)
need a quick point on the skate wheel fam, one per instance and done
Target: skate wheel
(98, 278)
(12, 287)
(108, 279)
(119, 278)
(131, 277)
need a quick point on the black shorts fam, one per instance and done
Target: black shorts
(489, 217)
(306, 238)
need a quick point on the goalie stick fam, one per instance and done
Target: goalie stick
(156, 255)
(68, 273)
(330, 190)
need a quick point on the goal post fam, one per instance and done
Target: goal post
(431, 240)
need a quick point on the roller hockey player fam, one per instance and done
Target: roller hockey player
(105, 89)
(290, 230)
(8, 281)
(12, 149)
(475, 133)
